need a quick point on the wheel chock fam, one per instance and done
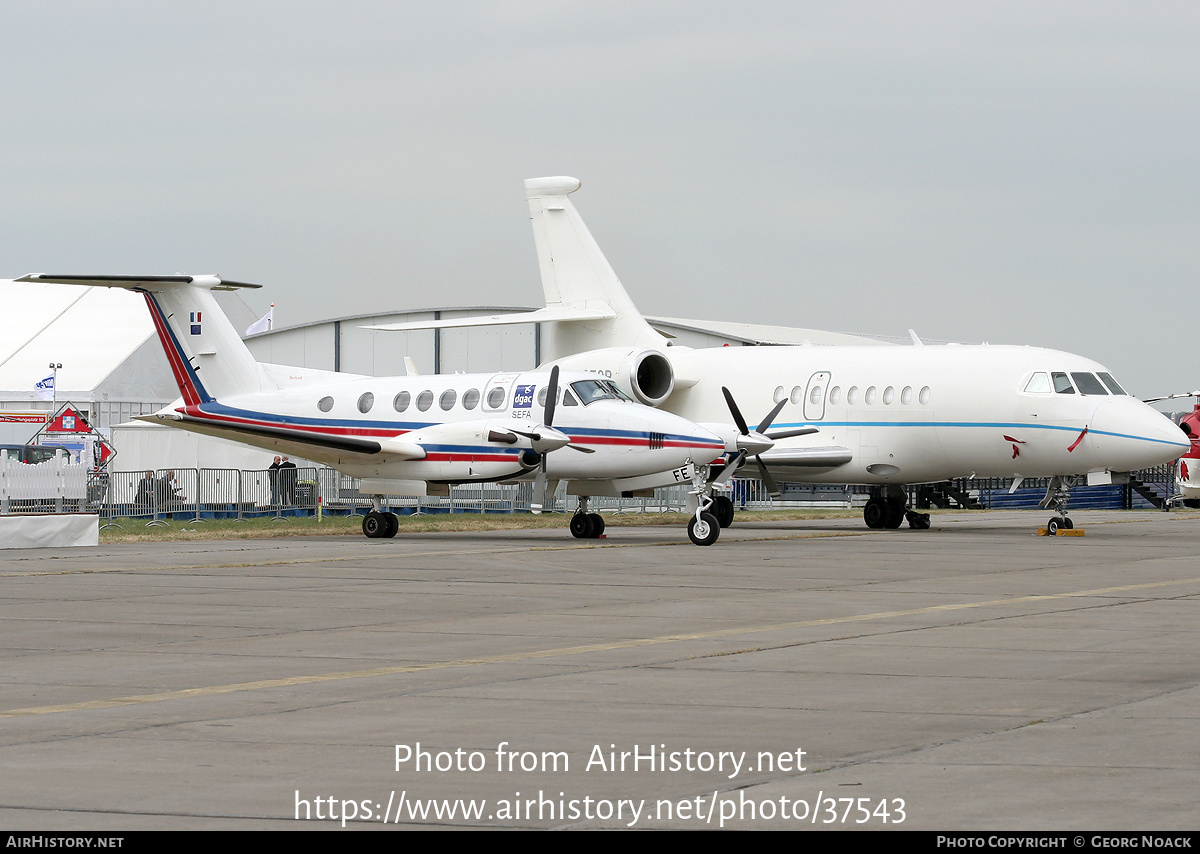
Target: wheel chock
(1062, 532)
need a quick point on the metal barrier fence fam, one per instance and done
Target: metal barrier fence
(232, 493)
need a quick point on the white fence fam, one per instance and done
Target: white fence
(48, 485)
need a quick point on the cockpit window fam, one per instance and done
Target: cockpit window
(590, 391)
(569, 399)
(1039, 383)
(1111, 383)
(616, 390)
(1088, 384)
(1062, 384)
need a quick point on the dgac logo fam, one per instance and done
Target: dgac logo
(523, 399)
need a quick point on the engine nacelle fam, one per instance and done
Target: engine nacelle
(644, 375)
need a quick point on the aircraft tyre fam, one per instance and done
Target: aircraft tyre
(894, 514)
(393, 525)
(875, 512)
(1059, 522)
(722, 508)
(581, 526)
(597, 525)
(374, 525)
(705, 530)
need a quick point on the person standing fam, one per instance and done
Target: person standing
(287, 481)
(273, 476)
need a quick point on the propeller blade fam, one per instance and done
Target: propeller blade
(766, 422)
(552, 396)
(735, 412)
(768, 481)
(575, 447)
(733, 462)
(538, 502)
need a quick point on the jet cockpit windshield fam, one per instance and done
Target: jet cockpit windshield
(590, 391)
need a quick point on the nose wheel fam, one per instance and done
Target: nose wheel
(704, 529)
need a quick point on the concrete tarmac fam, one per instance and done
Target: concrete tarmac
(794, 675)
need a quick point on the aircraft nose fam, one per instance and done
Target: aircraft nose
(1129, 435)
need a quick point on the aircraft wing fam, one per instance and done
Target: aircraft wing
(239, 431)
(827, 457)
(553, 313)
(137, 282)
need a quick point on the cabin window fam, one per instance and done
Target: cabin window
(798, 395)
(1039, 383)
(1062, 385)
(780, 394)
(852, 395)
(889, 394)
(446, 401)
(400, 402)
(924, 398)
(495, 398)
(325, 404)
(542, 392)
(835, 395)
(424, 400)
(869, 397)
(1111, 383)
(366, 402)
(814, 397)
(906, 395)
(470, 398)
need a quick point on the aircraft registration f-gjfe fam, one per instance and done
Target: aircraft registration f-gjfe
(882, 416)
(415, 435)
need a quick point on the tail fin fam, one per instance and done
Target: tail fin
(576, 275)
(205, 352)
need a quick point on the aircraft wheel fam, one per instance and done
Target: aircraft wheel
(1067, 523)
(1054, 524)
(893, 514)
(374, 525)
(705, 530)
(875, 513)
(393, 525)
(723, 509)
(597, 525)
(581, 526)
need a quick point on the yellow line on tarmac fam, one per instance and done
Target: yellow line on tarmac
(604, 646)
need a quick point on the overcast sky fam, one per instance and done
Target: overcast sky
(1020, 173)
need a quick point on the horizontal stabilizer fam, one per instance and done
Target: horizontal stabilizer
(137, 282)
(542, 315)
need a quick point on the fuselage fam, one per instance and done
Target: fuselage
(933, 412)
(462, 427)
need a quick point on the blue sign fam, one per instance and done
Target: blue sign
(523, 399)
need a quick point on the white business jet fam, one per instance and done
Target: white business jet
(882, 416)
(416, 435)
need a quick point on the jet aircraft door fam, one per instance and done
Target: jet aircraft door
(814, 396)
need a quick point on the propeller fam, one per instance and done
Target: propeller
(755, 442)
(545, 439)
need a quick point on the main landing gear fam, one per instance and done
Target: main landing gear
(585, 525)
(380, 525)
(889, 509)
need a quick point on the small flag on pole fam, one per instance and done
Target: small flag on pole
(264, 323)
(45, 388)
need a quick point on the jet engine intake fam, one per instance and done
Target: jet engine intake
(644, 375)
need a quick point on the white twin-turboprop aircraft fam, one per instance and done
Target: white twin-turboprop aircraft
(416, 435)
(882, 416)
